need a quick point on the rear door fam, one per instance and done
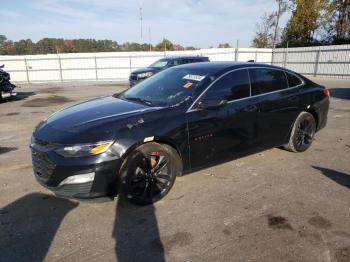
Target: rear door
(279, 105)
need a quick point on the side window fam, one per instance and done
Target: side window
(232, 86)
(293, 80)
(173, 63)
(265, 80)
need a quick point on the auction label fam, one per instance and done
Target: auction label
(193, 77)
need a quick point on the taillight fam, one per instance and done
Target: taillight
(326, 92)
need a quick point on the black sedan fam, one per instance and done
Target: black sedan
(137, 142)
(141, 74)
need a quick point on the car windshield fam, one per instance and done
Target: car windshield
(167, 88)
(160, 63)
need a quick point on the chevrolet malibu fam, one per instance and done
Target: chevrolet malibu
(136, 142)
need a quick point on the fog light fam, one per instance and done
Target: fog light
(78, 179)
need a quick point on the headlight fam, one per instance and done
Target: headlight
(144, 75)
(84, 149)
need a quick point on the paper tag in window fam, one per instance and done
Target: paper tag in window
(193, 77)
(187, 85)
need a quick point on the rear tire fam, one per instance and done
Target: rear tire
(302, 134)
(149, 173)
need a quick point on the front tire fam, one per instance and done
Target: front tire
(302, 134)
(149, 173)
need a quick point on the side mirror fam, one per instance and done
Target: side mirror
(2, 66)
(213, 103)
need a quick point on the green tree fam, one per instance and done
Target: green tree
(190, 48)
(8, 48)
(165, 45)
(25, 47)
(225, 45)
(2, 43)
(308, 18)
(59, 45)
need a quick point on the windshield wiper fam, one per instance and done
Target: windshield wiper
(138, 99)
(182, 101)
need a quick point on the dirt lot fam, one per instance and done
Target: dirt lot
(270, 206)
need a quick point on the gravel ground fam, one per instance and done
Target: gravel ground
(270, 206)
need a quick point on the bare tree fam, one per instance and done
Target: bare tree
(282, 8)
(268, 28)
(342, 17)
(264, 36)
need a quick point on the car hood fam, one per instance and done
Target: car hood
(96, 110)
(86, 118)
(145, 70)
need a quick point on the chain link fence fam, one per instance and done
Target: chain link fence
(332, 61)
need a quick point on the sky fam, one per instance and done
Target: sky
(199, 23)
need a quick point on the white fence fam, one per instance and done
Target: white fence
(327, 61)
(318, 61)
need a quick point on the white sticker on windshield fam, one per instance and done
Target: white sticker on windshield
(193, 77)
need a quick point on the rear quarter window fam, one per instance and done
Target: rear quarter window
(266, 80)
(293, 80)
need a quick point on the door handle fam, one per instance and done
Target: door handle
(251, 108)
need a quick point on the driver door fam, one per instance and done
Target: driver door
(216, 132)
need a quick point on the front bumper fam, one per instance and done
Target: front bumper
(81, 178)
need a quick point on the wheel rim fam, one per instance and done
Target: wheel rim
(305, 133)
(151, 178)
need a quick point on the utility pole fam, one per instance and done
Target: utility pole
(150, 40)
(237, 52)
(141, 22)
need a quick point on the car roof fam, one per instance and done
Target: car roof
(183, 57)
(221, 67)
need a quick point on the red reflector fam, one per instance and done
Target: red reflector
(326, 92)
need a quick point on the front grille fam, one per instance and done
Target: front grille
(133, 77)
(43, 167)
